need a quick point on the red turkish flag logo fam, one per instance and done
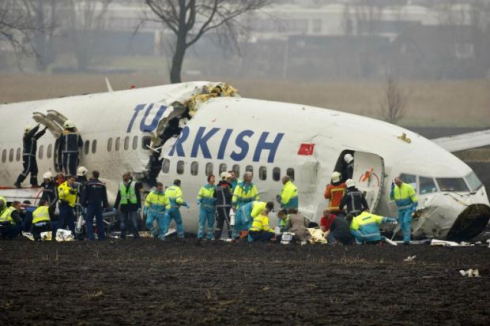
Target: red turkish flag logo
(306, 149)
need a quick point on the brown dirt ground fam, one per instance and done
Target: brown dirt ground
(183, 282)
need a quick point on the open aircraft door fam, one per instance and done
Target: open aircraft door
(369, 177)
(54, 121)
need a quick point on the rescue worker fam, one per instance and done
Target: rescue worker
(95, 200)
(365, 227)
(50, 191)
(298, 224)
(406, 200)
(41, 220)
(207, 203)
(283, 216)
(223, 197)
(174, 195)
(348, 167)
(10, 222)
(81, 180)
(353, 200)
(260, 229)
(155, 210)
(31, 136)
(128, 201)
(26, 215)
(340, 232)
(67, 200)
(245, 192)
(69, 144)
(245, 215)
(334, 192)
(289, 194)
(326, 220)
(3, 205)
(234, 181)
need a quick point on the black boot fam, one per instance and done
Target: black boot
(17, 183)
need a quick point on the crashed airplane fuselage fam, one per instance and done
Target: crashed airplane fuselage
(180, 131)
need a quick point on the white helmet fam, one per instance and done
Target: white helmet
(336, 176)
(68, 124)
(348, 158)
(48, 175)
(82, 171)
(28, 128)
(350, 183)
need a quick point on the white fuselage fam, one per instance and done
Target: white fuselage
(228, 132)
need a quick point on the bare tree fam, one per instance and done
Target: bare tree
(394, 103)
(86, 18)
(17, 27)
(189, 20)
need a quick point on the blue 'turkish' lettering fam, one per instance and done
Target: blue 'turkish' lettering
(201, 142)
(178, 143)
(137, 110)
(154, 123)
(271, 147)
(224, 142)
(242, 144)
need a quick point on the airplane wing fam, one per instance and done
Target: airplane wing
(465, 141)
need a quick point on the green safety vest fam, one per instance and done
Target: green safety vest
(128, 196)
(41, 214)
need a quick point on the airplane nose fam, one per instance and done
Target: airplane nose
(470, 223)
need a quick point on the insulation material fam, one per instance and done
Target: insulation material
(208, 92)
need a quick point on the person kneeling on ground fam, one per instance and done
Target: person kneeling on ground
(340, 232)
(260, 230)
(41, 220)
(326, 220)
(10, 222)
(365, 227)
(284, 217)
(298, 224)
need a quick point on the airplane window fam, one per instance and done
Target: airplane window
(166, 166)
(118, 143)
(86, 147)
(290, 173)
(109, 145)
(18, 155)
(262, 173)
(4, 156)
(126, 143)
(135, 143)
(180, 167)
(50, 151)
(236, 169)
(145, 142)
(473, 182)
(94, 146)
(410, 179)
(452, 184)
(276, 174)
(427, 185)
(41, 152)
(249, 168)
(209, 169)
(11, 155)
(194, 168)
(222, 168)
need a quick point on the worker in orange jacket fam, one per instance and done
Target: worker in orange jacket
(334, 192)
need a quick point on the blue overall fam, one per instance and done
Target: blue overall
(207, 211)
(174, 195)
(155, 210)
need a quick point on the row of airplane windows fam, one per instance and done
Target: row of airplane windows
(209, 170)
(16, 154)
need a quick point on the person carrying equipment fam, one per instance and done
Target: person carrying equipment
(365, 227)
(41, 220)
(94, 200)
(353, 199)
(245, 192)
(128, 201)
(67, 200)
(155, 210)
(406, 200)
(207, 204)
(260, 229)
(69, 144)
(223, 197)
(10, 221)
(289, 194)
(31, 136)
(174, 195)
(334, 192)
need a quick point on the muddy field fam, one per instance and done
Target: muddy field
(179, 283)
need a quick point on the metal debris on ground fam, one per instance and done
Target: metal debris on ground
(410, 258)
(470, 273)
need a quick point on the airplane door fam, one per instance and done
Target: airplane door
(369, 177)
(54, 121)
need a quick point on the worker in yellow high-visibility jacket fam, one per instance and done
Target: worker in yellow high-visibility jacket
(41, 219)
(260, 229)
(406, 200)
(155, 210)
